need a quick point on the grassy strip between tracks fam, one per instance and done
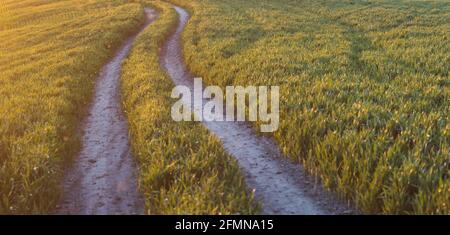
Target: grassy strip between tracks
(183, 169)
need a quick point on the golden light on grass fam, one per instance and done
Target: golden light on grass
(364, 88)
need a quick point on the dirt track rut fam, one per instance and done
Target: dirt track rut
(281, 186)
(102, 179)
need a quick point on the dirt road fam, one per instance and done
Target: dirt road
(102, 179)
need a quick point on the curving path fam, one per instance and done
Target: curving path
(281, 186)
(102, 179)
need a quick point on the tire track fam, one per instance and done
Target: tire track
(103, 177)
(281, 186)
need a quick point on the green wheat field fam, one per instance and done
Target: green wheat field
(364, 98)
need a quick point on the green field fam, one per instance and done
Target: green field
(364, 88)
(364, 97)
(50, 54)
